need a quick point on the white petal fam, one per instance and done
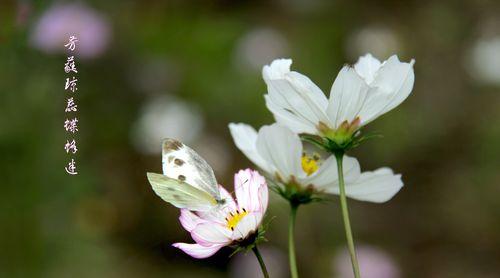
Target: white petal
(326, 178)
(393, 83)
(208, 234)
(286, 97)
(294, 93)
(198, 251)
(247, 225)
(367, 66)
(378, 186)
(245, 138)
(288, 118)
(309, 91)
(277, 69)
(281, 148)
(189, 220)
(347, 96)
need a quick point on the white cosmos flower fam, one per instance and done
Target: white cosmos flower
(235, 222)
(358, 96)
(279, 152)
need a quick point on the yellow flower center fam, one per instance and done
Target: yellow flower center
(310, 164)
(234, 218)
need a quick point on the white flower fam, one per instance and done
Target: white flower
(358, 96)
(279, 152)
(484, 60)
(233, 223)
(163, 117)
(377, 39)
(258, 46)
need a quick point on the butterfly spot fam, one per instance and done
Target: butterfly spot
(170, 189)
(170, 158)
(171, 145)
(181, 177)
(177, 197)
(178, 162)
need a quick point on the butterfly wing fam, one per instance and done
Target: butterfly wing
(181, 194)
(182, 163)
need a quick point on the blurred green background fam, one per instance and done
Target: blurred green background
(185, 69)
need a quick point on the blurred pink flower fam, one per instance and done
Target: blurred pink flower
(60, 21)
(230, 224)
(373, 263)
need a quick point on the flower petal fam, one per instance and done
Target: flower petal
(281, 148)
(393, 83)
(347, 96)
(288, 118)
(378, 186)
(189, 220)
(249, 224)
(263, 197)
(277, 69)
(198, 251)
(247, 185)
(210, 233)
(245, 138)
(367, 67)
(292, 95)
(327, 177)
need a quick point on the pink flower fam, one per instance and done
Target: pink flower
(233, 223)
(373, 263)
(61, 21)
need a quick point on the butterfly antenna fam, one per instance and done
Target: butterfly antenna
(239, 186)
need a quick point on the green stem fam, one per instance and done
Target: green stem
(261, 261)
(291, 243)
(345, 216)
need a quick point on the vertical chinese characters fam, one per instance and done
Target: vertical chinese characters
(70, 124)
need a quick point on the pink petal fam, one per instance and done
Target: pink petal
(189, 220)
(263, 197)
(246, 226)
(247, 186)
(210, 233)
(198, 251)
(241, 182)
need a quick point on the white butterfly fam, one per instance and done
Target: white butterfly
(187, 181)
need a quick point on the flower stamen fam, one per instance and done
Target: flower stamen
(234, 219)
(310, 164)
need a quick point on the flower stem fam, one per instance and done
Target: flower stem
(345, 216)
(291, 243)
(261, 261)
